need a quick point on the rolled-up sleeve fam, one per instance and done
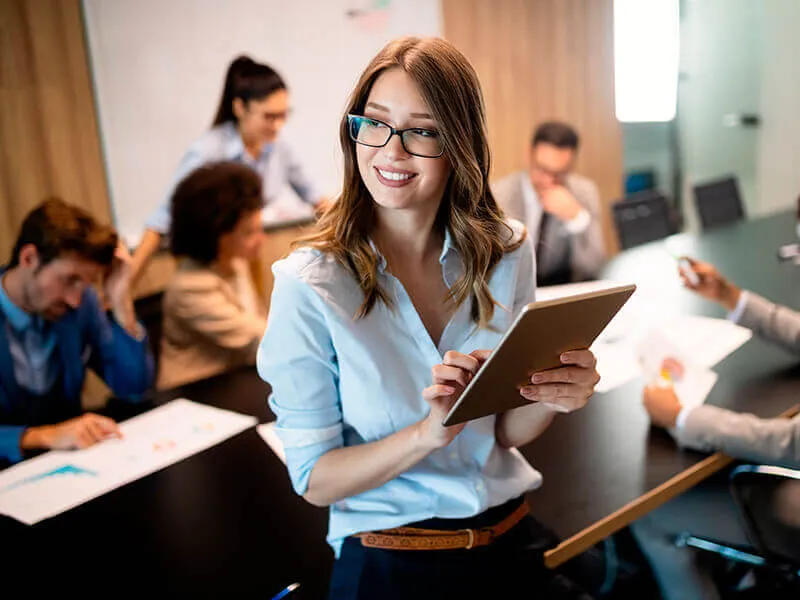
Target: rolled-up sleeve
(297, 358)
(298, 178)
(160, 220)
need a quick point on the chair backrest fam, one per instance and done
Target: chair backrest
(642, 217)
(769, 499)
(149, 311)
(718, 202)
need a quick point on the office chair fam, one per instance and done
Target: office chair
(718, 203)
(149, 311)
(764, 495)
(643, 217)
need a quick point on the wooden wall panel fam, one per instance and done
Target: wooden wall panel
(49, 139)
(539, 60)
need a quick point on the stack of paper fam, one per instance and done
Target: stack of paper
(630, 346)
(694, 382)
(703, 340)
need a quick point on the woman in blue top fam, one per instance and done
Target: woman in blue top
(251, 114)
(379, 320)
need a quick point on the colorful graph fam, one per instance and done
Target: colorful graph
(206, 427)
(65, 470)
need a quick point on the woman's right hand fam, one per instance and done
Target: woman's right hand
(449, 380)
(711, 284)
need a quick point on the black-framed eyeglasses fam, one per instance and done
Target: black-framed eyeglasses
(425, 143)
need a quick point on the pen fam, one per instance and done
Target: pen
(286, 591)
(685, 266)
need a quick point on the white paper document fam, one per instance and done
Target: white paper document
(267, 433)
(694, 386)
(617, 364)
(702, 340)
(671, 340)
(56, 481)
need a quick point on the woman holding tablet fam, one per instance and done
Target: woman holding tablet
(379, 320)
(251, 114)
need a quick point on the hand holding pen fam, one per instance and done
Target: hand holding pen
(659, 399)
(703, 278)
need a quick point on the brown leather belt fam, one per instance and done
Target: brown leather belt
(413, 538)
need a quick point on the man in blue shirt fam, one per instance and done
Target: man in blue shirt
(53, 325)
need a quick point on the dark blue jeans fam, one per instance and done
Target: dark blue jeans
(511, 567)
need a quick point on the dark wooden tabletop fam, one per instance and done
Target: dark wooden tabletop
(602, 457)
(225, 523)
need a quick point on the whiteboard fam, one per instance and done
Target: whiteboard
(158, 68)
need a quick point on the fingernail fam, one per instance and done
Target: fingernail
(538, 378)
(565, 357)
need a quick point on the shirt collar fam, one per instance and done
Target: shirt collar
(381, 258)
(234, 146)
(17, 318)
(447, 246)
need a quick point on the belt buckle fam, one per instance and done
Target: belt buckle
(471, 538)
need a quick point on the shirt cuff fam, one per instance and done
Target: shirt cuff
(140, 334)
(159, 220)
(579, 223)
(680, 422)
(736, 314)
(14, 452)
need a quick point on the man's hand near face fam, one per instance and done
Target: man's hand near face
(559, 202)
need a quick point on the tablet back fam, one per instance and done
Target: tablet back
(534, 342)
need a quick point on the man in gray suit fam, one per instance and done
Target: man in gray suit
(560, 208)
(708, 510)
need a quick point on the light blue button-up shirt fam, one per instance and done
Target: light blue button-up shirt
(340, 381)
(277, 165)
(32, 344)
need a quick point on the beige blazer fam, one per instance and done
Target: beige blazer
(207, 329)
(583, 254)
(745, 436)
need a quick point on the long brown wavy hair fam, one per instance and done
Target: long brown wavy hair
(450, 88)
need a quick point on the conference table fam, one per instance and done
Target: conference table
(225, 523)
(604, 465)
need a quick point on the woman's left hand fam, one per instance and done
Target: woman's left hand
(565, 388)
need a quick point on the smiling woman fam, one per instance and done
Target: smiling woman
(378, 321)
